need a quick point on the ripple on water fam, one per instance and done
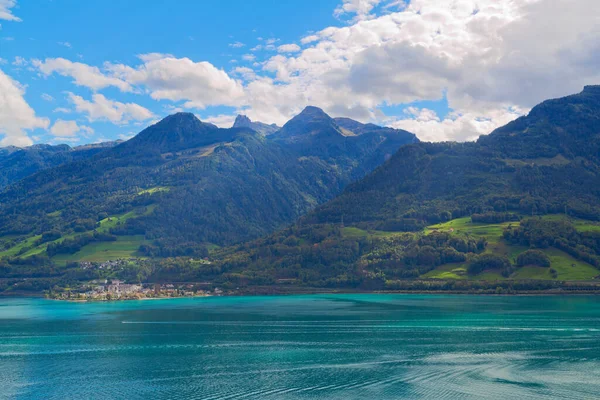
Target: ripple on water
(380, 347)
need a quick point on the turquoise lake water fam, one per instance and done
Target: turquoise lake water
(302, 347)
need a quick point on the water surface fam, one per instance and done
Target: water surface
(302, 347)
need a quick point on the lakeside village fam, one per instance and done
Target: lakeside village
(114, 289)
(111, 290)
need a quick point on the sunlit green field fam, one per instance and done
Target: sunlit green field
(13, 251)
(123, 247)
(567, 268)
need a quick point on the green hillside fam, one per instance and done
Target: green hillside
(471, 211)
(519, 208)
(208, 186)
(120, 247)
(544, 163)
(567, 267)
(19, 163)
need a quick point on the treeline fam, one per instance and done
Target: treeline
(540, 233)
(167, 248)
(331, 256)
(494, 217)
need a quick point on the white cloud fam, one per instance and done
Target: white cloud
(64, 129)
(47, 97)
(222, 121)
(289, 48)
(148, 57)
(19, 62)
(16, 116)
(249, 57)
(491, 59)
(65, 44)
(362, 8)
(455, 126)
(236, 45)
(83, 74)
(103, 109)
(245, 72)
(61, 110)
(5, 12)
(200, 84)
(309, 39)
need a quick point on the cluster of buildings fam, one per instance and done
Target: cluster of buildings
(107, 265)
(104, 290)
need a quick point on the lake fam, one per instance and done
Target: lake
(302, 347)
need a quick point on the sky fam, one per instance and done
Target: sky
(80, 72)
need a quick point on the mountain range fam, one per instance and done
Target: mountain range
(320, 202)
(450, 210)
(539, 163)
(198, 183)
(18, 163)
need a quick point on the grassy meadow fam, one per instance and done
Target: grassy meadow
(566, 267)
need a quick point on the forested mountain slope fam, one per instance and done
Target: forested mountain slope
(18, 163)
(541, 163)
(194, 183)
(242, 121)
(471, 208)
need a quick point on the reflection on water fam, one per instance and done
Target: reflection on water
(302, 347)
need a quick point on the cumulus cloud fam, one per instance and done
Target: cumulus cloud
(245, 72)
(222, 121)
(83, 74)
(362, 8)
(428, 126)
(309, 39)
(16, 116)
(64, 129)
(5, 12)
(103, 109)
(289, 48)
(236, 45)
(491, 59)
(199, 84)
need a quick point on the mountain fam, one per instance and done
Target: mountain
(176, 132)
(314, 133)
(182, 182)
(243, 121)
(310, 123)
(542, 162)
(17, 163)
(461, 207)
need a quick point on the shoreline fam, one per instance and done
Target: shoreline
(530, 293)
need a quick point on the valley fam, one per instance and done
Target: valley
(320, 204)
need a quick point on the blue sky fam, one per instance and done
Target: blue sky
(86, 71)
